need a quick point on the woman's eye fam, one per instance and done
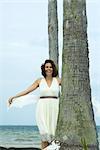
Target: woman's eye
(48, 67)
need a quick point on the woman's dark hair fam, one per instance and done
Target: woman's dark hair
(55, 71)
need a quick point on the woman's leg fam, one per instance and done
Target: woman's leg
(44, 144)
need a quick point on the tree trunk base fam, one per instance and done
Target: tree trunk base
(65, 146)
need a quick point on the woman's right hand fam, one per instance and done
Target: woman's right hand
(10, 100)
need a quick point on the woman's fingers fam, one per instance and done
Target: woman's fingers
(10, 100)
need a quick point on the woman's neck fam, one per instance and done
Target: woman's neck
(49, 77)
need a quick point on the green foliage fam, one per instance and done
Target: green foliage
(83, 142)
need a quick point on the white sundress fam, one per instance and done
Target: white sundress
(47, 109)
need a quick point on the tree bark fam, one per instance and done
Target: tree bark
(53, 31)
(76, 117)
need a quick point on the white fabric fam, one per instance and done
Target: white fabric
(53, 146)
(45, 90)
(24, 100)
(47, 110)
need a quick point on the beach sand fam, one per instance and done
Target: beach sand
(24, 148)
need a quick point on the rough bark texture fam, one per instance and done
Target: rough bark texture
(53, 30)
(76, 118)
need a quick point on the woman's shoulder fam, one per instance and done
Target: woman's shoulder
(59, 80)
(39, 80)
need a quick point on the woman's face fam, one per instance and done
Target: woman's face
(48, 69)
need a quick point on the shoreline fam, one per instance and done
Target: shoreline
(19, 148)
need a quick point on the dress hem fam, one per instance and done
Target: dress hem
(47, 137)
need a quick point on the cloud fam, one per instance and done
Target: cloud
(23, 1)
(22, 49)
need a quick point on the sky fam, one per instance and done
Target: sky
(24, 47)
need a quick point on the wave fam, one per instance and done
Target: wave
(23, 140)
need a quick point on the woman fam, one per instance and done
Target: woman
(48, 104)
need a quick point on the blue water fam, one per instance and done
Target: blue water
(19, 136)
(23, 136)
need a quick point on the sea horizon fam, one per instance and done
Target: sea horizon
(24, 125)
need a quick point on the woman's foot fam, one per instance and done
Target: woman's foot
(44, 144)
(53, 145)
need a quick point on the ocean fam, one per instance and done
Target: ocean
(19, 136)
(23, 136)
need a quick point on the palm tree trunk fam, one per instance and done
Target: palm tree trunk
(76, 117)
(53, 30)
